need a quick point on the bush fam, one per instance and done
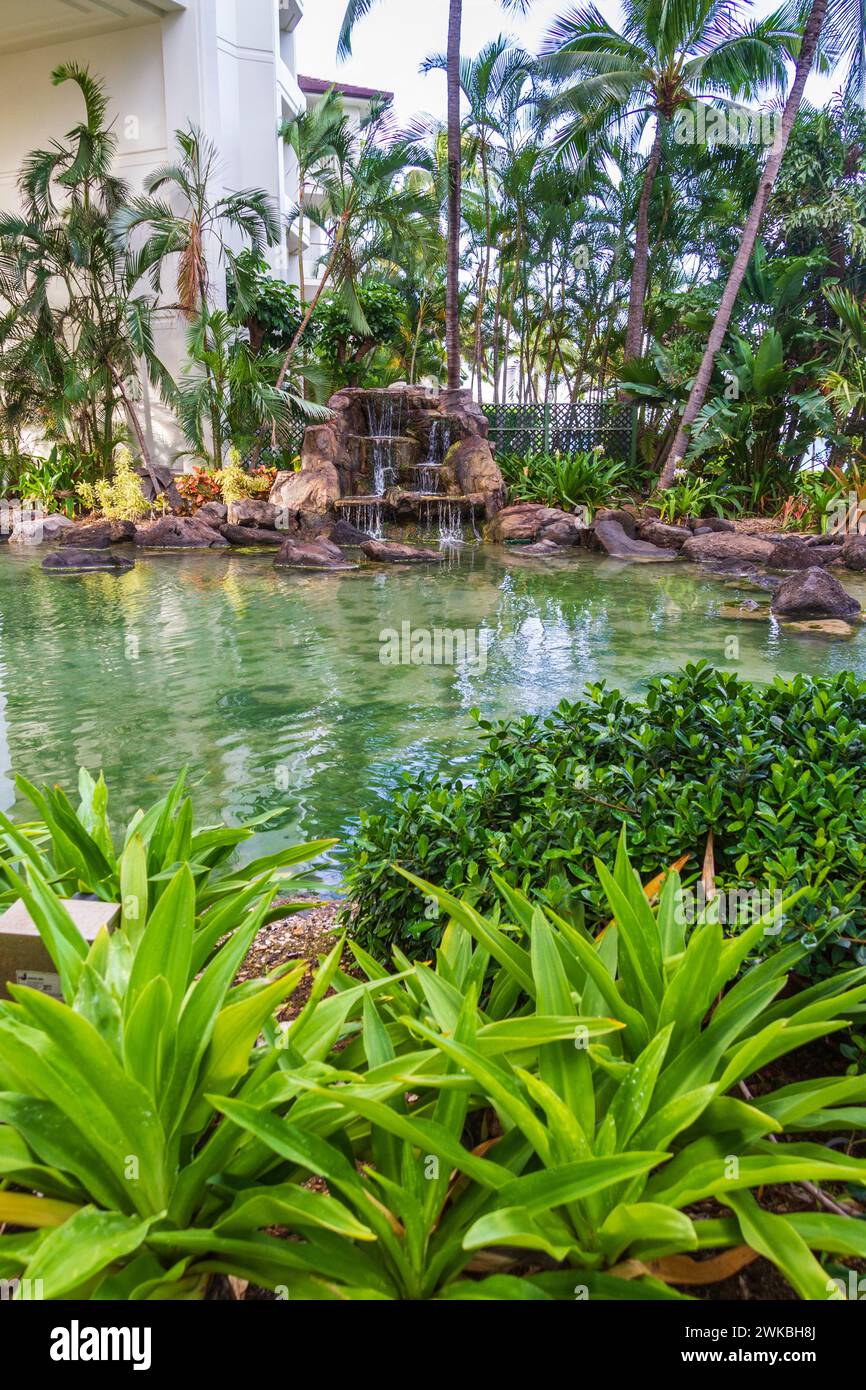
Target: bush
(121, 497)
(158, 1126)
(584, 479)
(774, 773)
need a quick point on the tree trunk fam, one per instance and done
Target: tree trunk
(725, 310)
(485, 276)
(311, 307)
(640, 268)
(452, 309)
(497, 324)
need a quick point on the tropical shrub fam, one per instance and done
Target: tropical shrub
(690, 496)
(107, 1124)
(585, 479)
(45, 482)
(237, 482)
(771, 772)
(121, 497)
(579, 1088)
(198, 486)
(551, 1110)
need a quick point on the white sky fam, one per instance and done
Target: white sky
(392, 41)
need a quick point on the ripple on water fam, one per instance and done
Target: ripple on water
(269, 686)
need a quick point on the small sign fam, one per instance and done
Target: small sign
(43, 980)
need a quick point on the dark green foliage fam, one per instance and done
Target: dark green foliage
(584, 479)
(269, 308)
(775, 773)
(347, 352)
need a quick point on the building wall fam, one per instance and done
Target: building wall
(222, 65)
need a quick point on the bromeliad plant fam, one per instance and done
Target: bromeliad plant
(560, 1134)
(580, 479)
(108, 1138)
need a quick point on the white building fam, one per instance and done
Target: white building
(226, 66)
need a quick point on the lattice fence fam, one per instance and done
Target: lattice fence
(561, 427)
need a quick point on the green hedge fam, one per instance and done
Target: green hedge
(776, 773)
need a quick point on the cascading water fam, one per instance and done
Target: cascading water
(383, 419)
(426, 477)
(450, 523)
(370, 519)
(428, 474)
(445, 516)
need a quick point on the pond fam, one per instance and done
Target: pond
(270, 687)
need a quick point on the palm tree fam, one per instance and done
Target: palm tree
(181, 219)
(75, 327)
(223, 368)
(370, 213)
(317, 138)
(632, 82)
(490, 83)
(357, 9)
(844, 22)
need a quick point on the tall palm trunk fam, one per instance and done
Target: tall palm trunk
(452, 306)
(811, 35)
(485, 276)
(640, 267)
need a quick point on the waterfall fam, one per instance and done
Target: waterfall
(448, 521)
(439, 442)
(384, 416)
(366, 516)
(426, 477)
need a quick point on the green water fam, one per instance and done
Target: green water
(270, 687)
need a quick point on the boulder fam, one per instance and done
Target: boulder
(711, 523)
(727, 548)
(814, 593)
(830, 538)
(620, 515)
(213, 514)
(252, 511)
(613, 538)
(395, 553)
(749, 611)
(660, 533)
(793, 553)
(33, 529)
(822, 627)
(540, 548)
(344, 533)
(530, 521)
(178, 533)
(71, 561)
(304, 499)
(470, 467)
(99, 535)
(251, 535)
(157, 480)
(311, 555)
(853, 552)
(567, 531)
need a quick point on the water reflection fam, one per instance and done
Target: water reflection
(270, 687)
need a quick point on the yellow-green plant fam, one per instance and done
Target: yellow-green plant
(120, 498)
(236, 483)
